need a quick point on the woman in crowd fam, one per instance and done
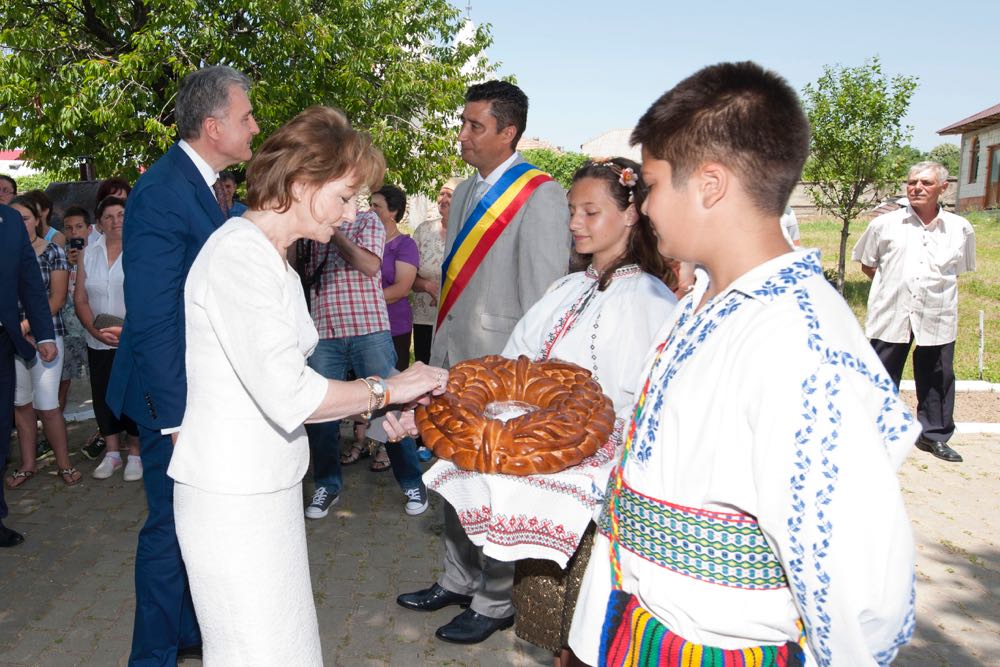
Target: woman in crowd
(100, 294)
(76, 227)
(8, 189)
(38, 382)
(400, 260)
(113, 187)
(429, 237)
(44, 206)
(242, 449)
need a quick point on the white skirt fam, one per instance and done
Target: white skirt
(248, 568)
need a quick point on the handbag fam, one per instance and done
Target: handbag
(631, 636)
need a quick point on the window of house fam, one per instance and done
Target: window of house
(974, 162)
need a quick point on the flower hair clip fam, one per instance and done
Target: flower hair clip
(627, 177)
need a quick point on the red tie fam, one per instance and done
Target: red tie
(220, 196)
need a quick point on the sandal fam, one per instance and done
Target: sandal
(70, 476)
(381, 461)
(358, 451)
(18, 478)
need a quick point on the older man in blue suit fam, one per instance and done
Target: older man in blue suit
(20, 281)
(173, 209)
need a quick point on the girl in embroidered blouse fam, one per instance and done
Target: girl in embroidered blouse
(604, 319)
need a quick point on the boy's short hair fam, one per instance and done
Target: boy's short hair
(77, 212)
(739, 115)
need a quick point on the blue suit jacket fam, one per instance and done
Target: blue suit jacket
(169, 216)
(21, 280)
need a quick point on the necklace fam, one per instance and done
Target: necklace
(572, 316)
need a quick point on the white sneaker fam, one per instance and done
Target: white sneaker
(133, 469)
(417, 500)
(107, 467)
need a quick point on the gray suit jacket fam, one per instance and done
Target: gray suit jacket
(530, 254)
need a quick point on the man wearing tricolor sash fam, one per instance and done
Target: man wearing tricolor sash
(508, 240)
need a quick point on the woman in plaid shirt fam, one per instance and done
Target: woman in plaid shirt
(38, 381)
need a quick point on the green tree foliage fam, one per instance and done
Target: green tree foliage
(901, 158)
(38, 181)
(561, 166)
(856, 116)
(947, 154)
(99, 77)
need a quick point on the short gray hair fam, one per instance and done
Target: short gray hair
(204, 93)
(936, 167)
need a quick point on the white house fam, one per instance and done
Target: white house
(979, 169)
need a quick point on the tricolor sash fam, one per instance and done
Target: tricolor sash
(483, 227)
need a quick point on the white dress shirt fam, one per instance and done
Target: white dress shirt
(105, 286)
(769, 403)
(916, 286)
(249, 334)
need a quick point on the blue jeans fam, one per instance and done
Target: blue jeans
(371, 354)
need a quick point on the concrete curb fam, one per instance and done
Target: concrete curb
(960, 385)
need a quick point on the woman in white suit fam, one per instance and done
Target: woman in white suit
(242, 451)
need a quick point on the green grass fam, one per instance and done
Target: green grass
(976, 291)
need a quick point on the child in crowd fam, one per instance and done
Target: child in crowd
(755, 516)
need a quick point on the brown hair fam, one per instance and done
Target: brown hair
(316, 147)
(739, 115)
(109, 185)
(641, 247)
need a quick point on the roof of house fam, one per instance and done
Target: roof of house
(612, 143)
(527, 143)
(985, 117)
(11, 155)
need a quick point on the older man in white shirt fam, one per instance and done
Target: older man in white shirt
(914, 257)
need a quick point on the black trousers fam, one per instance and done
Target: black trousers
(402, 345)
(934, 375)
(6, 407)
(423, 334)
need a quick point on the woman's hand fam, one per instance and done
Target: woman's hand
(109, 335)
(399, 425)
(417, 383)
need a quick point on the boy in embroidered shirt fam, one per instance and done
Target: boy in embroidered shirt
(756, 509)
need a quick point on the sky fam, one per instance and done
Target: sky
(588, 66)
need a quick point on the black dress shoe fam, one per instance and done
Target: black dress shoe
(472, 628)
(939, 449)
(432, 599)
(9, 538)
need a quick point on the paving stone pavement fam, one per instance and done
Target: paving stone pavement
(68, 597)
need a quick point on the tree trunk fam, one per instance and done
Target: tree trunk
(845, 231)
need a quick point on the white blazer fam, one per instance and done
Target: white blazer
(249, 388)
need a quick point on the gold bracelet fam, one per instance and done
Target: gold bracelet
(367, 414)
(380, 390)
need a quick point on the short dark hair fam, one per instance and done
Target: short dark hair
(204, 93)
(641, 247)
(28, 203)
(9, 179)
(107, 203)
(227, 176)
(109, 185)
(508, 104)
(395, 200)
(739, 115)
(78, 212)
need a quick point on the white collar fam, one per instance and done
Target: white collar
(495, 175)
(209, 174)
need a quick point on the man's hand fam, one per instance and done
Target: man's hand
(47, 351)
